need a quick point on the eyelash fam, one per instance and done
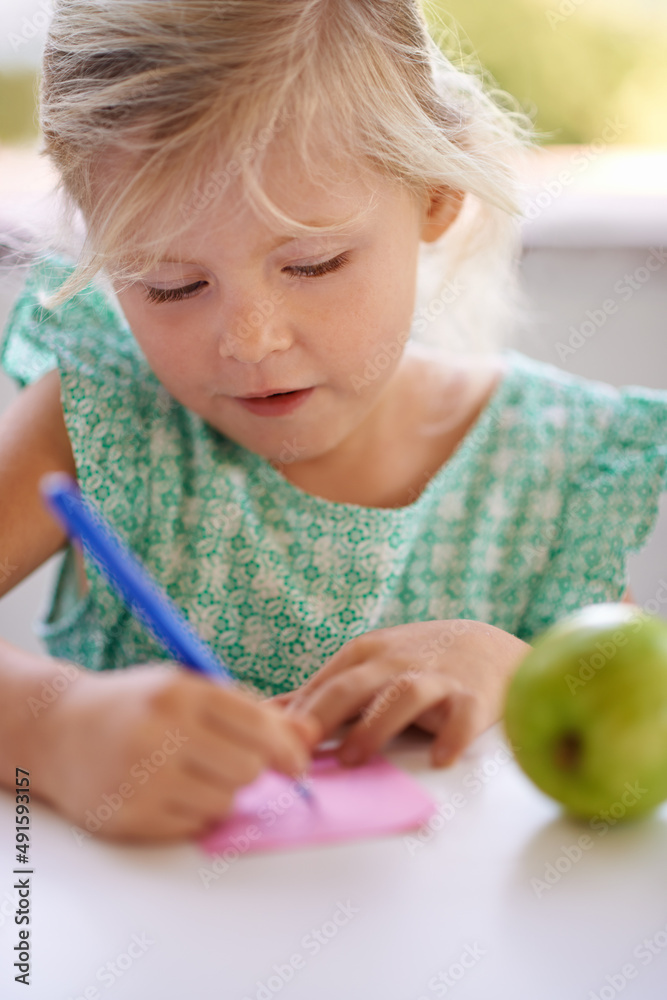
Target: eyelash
(187, 291)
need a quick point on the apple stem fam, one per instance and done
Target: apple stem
(568, 751)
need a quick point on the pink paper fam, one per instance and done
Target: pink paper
(370, 800)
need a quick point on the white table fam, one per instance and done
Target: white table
(458, 916)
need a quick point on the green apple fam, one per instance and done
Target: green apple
(586, 711)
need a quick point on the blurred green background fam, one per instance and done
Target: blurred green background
(573, 65)
(18, 111)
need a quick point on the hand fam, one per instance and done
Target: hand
(447, 677)
(156, 752)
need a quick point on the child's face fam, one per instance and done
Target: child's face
(256, 324)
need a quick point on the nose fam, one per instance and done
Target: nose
(252, 330)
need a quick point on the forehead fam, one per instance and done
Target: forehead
(326, 191)
(339, 198)
(258, 206)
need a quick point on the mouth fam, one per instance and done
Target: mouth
(275, 404)
(269, 392)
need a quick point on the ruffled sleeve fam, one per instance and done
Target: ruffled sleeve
(610, 502)
(87, 333)
(26, 352)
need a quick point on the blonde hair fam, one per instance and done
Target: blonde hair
(169, 100)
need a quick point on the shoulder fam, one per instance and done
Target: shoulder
(543, 432)
(605, 446)
(584, 414)
(509, 399)
(87, 334)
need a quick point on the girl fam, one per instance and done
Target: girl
(364, 526)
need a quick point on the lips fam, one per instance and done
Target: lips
(269, 392)
(275, 404)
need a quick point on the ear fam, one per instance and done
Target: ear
(441, 210)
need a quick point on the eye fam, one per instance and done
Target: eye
(314, 270)
(187, 291)
(172, 294)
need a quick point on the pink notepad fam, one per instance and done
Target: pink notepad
(347, 803)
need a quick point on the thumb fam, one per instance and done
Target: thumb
(307, 727)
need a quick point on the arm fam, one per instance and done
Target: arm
(33, 441)
(23, 680)
(89, 739)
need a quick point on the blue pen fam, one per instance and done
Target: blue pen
(149, 603)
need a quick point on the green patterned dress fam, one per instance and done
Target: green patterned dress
(531, 517)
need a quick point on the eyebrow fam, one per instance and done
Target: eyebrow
(292, 237)
(279, 242)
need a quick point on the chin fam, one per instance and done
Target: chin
(293, 449)
(290, 446)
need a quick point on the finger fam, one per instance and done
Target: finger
(432, 719)
(220, 761)
(393, 709)
(170, 810)
(308, 728)
(289, 745)
(163, 827)
(459, 728)
(257, 726)
(199, 800)
(353, 653)
(232, 709)
(343, 696)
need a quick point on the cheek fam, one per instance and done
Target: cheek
(160, 353)
(169, 353)
(379, 310)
